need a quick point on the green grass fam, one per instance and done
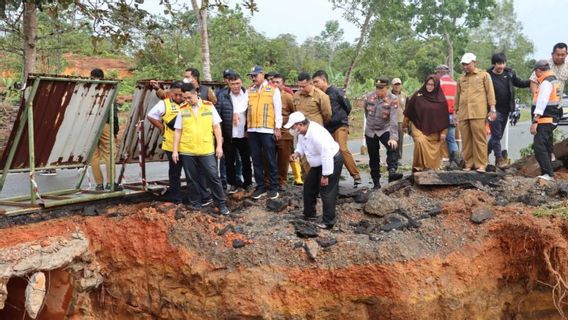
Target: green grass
(559, 210)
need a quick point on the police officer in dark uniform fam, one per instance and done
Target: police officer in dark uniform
(382, 128)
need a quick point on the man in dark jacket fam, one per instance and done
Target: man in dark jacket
(338, 125)
(232, 106)
(503, 79)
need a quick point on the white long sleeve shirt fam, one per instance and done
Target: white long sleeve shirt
(319, 148)
(543, 96)
(240, 105)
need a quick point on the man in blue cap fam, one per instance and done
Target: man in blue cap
(264, 120)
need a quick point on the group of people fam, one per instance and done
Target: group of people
(222, 139)
(479, 99)
(237, 133)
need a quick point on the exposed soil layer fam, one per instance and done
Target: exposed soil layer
(159, 261)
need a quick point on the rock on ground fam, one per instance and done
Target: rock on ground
(35, 294)
(380, 204)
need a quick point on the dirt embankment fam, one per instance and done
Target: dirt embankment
(159, 261)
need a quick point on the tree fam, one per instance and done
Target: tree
(363, 13)
(330, 39)
(114, 20)
(448, 19)
(504, 33)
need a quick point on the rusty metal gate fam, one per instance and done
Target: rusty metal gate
(59, 124)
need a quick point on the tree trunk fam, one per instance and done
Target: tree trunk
(364, 30)
(201, 13)
(30, 26)
(450, 53)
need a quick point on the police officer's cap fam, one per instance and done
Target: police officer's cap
(381, 82)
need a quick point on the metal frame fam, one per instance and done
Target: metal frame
(59, 197)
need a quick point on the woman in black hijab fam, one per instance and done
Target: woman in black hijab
(426, 116)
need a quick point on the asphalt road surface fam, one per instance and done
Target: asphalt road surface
(19, 183)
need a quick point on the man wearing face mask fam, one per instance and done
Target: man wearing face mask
(382, 128)
(324, 158)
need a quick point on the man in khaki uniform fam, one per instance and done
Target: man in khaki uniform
(474, 103)
(311, 101)
(284, 146)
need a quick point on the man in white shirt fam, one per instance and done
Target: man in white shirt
(322, 153)
(232, 106)
(547, 111)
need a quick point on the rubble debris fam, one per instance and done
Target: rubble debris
(178, 215)
(305, 229)
(363, 227)
(394, 222)
(529, 167)
(380, 204)
(35, 294)
(312, 249)
(455, 178)
(362, 196)
(225, 229)
(238, 243)
(326, 242)
(481, 214)
(90, 211)
(276, 205)
(397, 185)
(562, 189)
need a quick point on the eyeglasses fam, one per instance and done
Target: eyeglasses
(252, 76)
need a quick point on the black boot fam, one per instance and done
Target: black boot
(453, 165)
(393, 175)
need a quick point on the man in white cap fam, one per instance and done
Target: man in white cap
(547, 111)
(474, 104)
(324, 157)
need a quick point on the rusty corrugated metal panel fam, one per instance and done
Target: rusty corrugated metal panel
(68, 112)
(143, 99)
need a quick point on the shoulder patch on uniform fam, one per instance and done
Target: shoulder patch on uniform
(207, 102)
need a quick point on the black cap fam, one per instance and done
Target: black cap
(228, 72)
(382, 82)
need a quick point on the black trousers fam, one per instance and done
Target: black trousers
(543, 147)
(328, 193)
(230, 148)
(373, 146)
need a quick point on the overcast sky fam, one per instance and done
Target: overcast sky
(544, 21)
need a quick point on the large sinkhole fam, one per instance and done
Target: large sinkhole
(52, 299)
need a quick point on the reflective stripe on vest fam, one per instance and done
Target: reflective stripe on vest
(543, 120)
(172, 110)
(197, 130)
(555, 94)
(260, 113)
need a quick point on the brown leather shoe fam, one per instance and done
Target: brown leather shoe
(501, 163)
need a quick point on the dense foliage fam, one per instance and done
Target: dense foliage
(407, 43)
